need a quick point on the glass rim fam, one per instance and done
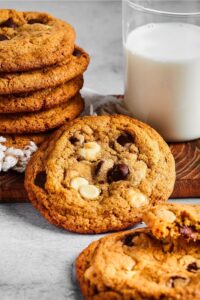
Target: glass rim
(160, 12)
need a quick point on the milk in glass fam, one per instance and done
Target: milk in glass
(162, 80)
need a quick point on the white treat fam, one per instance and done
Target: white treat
(90, 192)
(137, 199)
(77, 182)
(90, 150)
(166, 215)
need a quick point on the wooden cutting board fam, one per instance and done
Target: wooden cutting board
(187, 156)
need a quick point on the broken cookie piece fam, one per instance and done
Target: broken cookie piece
(171, 221)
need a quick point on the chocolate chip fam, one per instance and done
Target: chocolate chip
(9, 23)
(41, 179)
(128, 239)
(98, 167)
(125, 138)
(73, 140)
(118, 172)
(77, 53)
(34, 21)
(3, 37)
(187, 231)
(175, 281)
(193, 267)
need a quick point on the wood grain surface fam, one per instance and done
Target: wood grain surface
(187, 157)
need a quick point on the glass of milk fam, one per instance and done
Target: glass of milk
(162, 65)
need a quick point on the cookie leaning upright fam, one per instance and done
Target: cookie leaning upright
(102, 174)
(135, 265)
(172, 220)
(31, 40)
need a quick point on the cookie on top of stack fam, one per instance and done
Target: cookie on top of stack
(41, 74)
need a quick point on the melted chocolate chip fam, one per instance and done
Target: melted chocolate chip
(73, 140)
(186, 231)
(98, 167)
(128, 239)
(125, 138)
(9, 23)
(77, 53)
(193, 267)
(41, 179)
(3, 37)
(176, 280)
(118, 172)
(34, 21)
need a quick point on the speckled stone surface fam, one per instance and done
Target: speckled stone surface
(35, 257)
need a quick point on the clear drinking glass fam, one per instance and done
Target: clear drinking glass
(161, 42)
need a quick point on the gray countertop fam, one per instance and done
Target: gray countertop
(35, 257)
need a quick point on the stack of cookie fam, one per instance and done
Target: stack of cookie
(41, 76)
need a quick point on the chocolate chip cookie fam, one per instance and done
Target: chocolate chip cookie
(171, 220)
(134, 265)
(102, 174)
(47, 77)
(30, 40)
(42, 120)
(42, 99)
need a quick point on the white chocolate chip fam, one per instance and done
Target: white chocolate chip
(137, 199)
(167, 215)
(77, 182)
(90, 150)
(130, 266)
(90, 192)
